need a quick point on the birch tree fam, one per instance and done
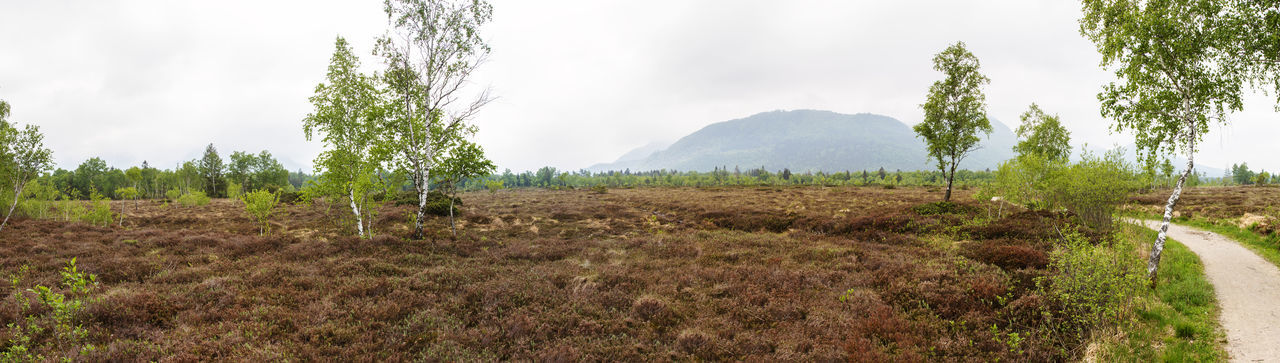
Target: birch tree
(955, 111)
(347, 119)
(1042, 134)
(22, 158)
(1175, 77)
(465, 160)
(431, 53)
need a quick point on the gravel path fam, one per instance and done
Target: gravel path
(1248, 290)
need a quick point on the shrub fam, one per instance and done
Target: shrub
(37, 200)
(192, 199)
(1094, 187)
(234, 190)
(59, 328)
(438, 204)
(599, 189)
(70, 210)
(1091, 188)
(290, 197)
(1025, 180)
(101, 212)
(493, 185)
(1094, 284)
(173, 194)
(260, 204)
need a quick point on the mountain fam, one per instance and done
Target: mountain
(808, 140)
(643, 152)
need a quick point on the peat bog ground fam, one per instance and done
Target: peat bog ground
(812, 273)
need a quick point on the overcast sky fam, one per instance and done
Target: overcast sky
(579, 82)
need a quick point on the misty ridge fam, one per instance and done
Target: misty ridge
(806, 141)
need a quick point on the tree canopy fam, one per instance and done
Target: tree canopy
(955, 111)
(1043, 134)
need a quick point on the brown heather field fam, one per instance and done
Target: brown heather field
(813, 274)
(1216, 203)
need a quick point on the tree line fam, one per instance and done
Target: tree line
(210, 174)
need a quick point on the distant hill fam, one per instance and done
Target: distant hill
(808, 140)
(643, 152)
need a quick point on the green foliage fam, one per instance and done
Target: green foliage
(719, 178)
(100, 210)
(260, 204)
(70, 210)
(233, 190)
(1043, 135)
(192, 199)
(599, 189)
(1174, 69)
(1092, 188)
(173, 194)
(1178, 321)
(1094, 284)
(22, 158)
(127, 193)
(426, 121)
(210, 168)
(1241, 175)
(252, 172)
(955, 111)
(55, 325)
(493, 186)
(438, 204)
(38, 200)
(348, 117)
(1026, 180)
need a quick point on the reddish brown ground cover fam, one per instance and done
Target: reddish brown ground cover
(813, 273)
(1219, 203)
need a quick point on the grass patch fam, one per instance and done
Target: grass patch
(1177, 322)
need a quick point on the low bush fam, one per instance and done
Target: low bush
(51, 325)
(290, 197)
(260, 204)
(192, 199)
(438, 204)
(100, 215)
(1092, 188)
(1094, 285)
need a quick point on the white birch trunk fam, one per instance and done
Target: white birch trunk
(355, 209)
(423, 187)
(1153, 264)
(17, 192)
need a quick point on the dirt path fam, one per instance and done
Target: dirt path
(1248, 290)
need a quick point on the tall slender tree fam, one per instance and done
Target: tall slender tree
(1181, 65)
(22, 158)
(955, 111)
(431, 53)
(210, 167)
(347, 118)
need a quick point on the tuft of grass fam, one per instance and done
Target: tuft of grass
(1178, 321)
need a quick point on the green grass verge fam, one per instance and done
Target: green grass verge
(1178, 321)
